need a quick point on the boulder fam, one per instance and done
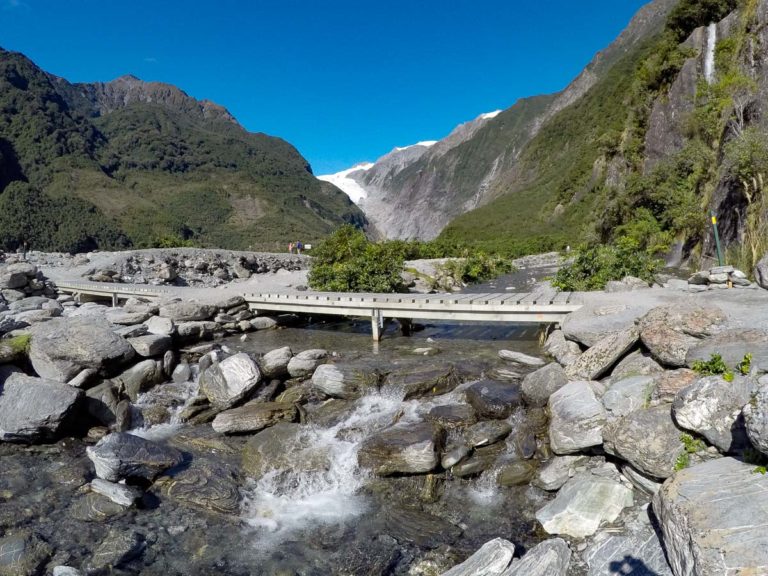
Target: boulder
(205, 485)
(562, 350)
(756, 417)
(761, 272)
(186, 311)
(493, 399)
(403, 449)
(62, 347)
(253, 417)
(281, 447)
(262, 323)
(733, 345)
(549, 558)
(557, 471)
(598, 359)
(517, 473)
(583, 504)
(492, 559)
(34, 408)
(451, 416)
(577, 418)
(102, 401)
(712, 516)
(22, 553)
(538, 386)
(596, 320)
(121, 494)
(304, 363)
(453, 454)
(637, 552)
(140, 378)
(423, 381)
(628, 395)
(520, 358)
(344, 381)
(196, 330)
(123, 318)
(150, 345)
(647, 439)
(712, 407)
(230, 381)
(182, 373)
(117, 548)
(121, 456)
(33, 303)
(486, 433)
(635, 364)
(274, 364)
(670, 382)
(482, 459)
(160, 326)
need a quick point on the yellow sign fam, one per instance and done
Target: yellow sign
(714, 220)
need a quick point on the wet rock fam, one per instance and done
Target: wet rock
(423, 381)
(562, 350)
(482, 459)
(34, 409)
(182, 373)
(647, 439)
(538, 386)
(150, 345)
(413, 526)
(452, 416)
(517, 473)
(732, 345)
(62, 347)
(520, 358)
(454, 454)
(557, 471)
(120, 455)
(205, 485)
(94, 508)
(713, 519)
(403, 449)
(274, 364)
(669, 383)
(304, 363)
(486, 433)
(119, 547)
(66, 571)
(549, 558)
(186, 311)
(101, 402)
(712, 407)
(492, 559)
(275, 448)
(119, 493)
(140, 377)
(635, 364)
(756, 417)
(344, 381)
(254, 417)
(628, 395)
(582, 504)
(577, 418)
(230, 381)
(492, 399)
(598, 359)
(23, 553)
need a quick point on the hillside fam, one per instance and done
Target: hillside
(142, 163)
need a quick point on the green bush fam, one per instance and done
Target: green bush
(477, 267)
(347, 262)
(593, 267)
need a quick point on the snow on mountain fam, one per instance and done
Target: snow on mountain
(346, 184)
(489, 115)
(425, 143)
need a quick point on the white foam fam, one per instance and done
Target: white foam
(709, 58)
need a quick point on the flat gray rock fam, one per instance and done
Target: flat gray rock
(520, 358)
(62, 347)
(549, 558)
(254, 417)
(119, 493)
(150, 345)
(557, 471)
(627, 395)
(562, 350)
(34, 408)
(638, 553)
(539, 385)
(403, 449)
(603, 316)
(344, 381)
(712, 517)
(230, 381)
(119, 455)
(583, 504)
(140, 377)
(494, 399)
(486, 433)
(274, 364)
(635, 364)
(118, 547)
(160, 326)
(304, 363)
(598, 359)
(492, 559)
(187, 311)
(732, 345)
(756, 417)
(577, 418)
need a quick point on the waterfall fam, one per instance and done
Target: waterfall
(709, 58)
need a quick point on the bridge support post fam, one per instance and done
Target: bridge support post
(114, 299)
(377, 323)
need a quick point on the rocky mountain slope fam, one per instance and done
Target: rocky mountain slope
(128, 162)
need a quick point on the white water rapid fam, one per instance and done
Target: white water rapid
(709, 57)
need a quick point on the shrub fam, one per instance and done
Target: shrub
(594, 267)
(477, 267)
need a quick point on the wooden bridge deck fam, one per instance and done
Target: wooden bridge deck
(544, 307)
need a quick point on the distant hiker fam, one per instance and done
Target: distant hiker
(24, 248)
(290, 247)
(299, 247)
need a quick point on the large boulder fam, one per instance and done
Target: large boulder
(712, 517)
(423, 381)
(635, 364)
(345, 381)
(577, 418)
(492, 559)
(636, 551)
(486, 433)
(670, 331)
(647, 439)
(603, 355)
(34, 408)
(627, 395)
(557, 471)
(732, 345)
(120, 456)
(253, 417)
(62, 347)
(403, 449)
(597, 319)
(140, 378)
(711, 406)
(205, 485)
(304, 363)
(274, 364)
(583, 504)
(493, 399)
(549, 558)
(539, 385)
(230, 381)
(186, 311)
(756, 417)
(284, 446)
(761, 272)
(562, 350)
(23, 552)
(150, 345)
(670, 382)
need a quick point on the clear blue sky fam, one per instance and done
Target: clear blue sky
(342, 80)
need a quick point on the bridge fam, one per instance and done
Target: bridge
(542, 307)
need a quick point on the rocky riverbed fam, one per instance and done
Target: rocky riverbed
(182, 437)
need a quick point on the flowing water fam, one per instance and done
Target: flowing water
(709, 57)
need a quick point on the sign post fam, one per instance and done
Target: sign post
(717, 239)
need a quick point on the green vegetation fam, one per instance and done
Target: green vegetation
(716, 365)
(691, 444)
(594, 266)
(18, 344)
(745, 366)
(476, 267)
(682, 461)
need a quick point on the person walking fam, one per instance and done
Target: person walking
(299, 247)
(290, 247)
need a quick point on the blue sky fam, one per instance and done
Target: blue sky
(344, 81)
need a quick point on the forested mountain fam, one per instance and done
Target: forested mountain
(109, 165)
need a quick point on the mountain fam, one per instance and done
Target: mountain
(417, 195)
(142, 163)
